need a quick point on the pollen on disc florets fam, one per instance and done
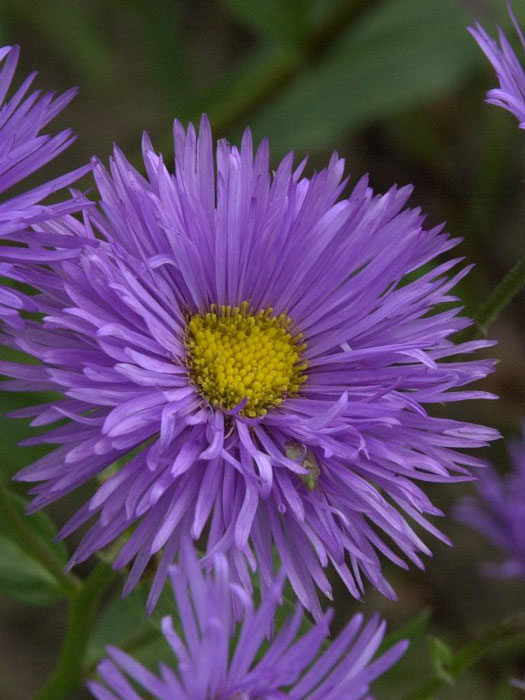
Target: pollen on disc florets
(235, 356)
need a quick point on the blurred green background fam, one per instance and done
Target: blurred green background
(397, 88)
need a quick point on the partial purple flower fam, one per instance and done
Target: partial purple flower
(509, 70)
(498, 512)
(23, 150)
(250, 359)
(518, 683)
(208, 666)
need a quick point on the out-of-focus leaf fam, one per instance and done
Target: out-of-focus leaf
(504, 691)
(496, 138)
(71, 30)
(248, 84)
(23, 578)
(43, 527)
(21, 575)
(414, 666)
(413, 630)
(123, 624)
(165, 47)
(403, 53)
(441, 655)
(274, 19)
(12, 457)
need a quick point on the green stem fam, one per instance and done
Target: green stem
(503, 294)
(468, 656)
(35, 546)
(82, 611)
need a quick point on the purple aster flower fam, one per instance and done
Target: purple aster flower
(247, 359)
(208, 666)
(511, 93)
(23, 150)
(498, 512)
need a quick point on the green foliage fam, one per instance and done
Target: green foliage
(22, 575)
(501, 296)
(441, 656)
(504, 692)
(12, 457)
(283, 22)
(401, 54)
(414, 662)
(83, 608)
(450, 666)
(71, 30)
(413, 630)
(123, 623)
(166, 47)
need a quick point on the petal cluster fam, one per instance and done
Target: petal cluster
(498, 512)
(509, 70)
(24, 150)
(331, 475)
(217, 659)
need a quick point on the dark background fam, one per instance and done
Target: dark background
(397, 88)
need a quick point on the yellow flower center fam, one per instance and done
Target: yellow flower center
(237, 356)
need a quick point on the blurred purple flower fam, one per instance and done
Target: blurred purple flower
(511, 93)
(518, 684)
(23, 150)
(295, 415)
(498, 512)
(208, 667)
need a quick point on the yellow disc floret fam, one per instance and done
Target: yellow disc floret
(238, 357)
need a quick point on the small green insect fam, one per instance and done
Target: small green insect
(299, 453)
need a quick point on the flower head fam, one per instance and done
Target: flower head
(23, 150)
(511, 93)
(208, 667)
(498, 512)
(247, 359)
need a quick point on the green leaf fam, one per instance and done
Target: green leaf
(413, 630)
(401, 54)
(22, 576)
(123, 624)
(165, 49)
(449, 666)
(441, 655)
(70, 29)
(413, 664)
(273, 19)
(12, 457)
(25, 579)
(504, 691)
